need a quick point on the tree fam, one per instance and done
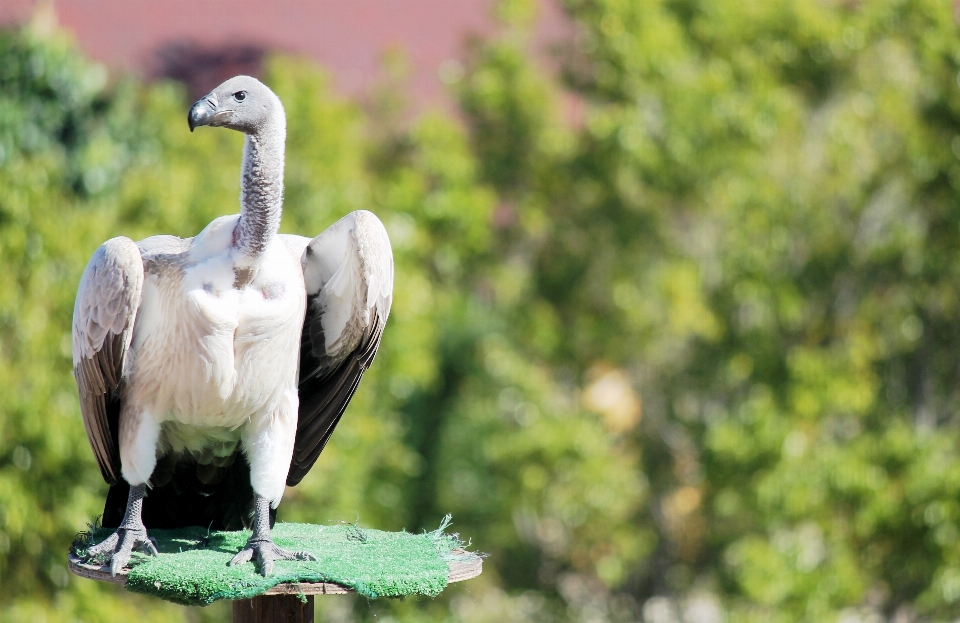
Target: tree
(758, 224)
(685, 356)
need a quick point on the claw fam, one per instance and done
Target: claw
(242, 557)
(266, 552)
(260, 546)
(107, 545)
(117, 548)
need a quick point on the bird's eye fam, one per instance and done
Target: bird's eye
(240, 96)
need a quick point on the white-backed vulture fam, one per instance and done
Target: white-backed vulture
(213, 370)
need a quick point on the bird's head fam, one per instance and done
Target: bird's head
(241, 103)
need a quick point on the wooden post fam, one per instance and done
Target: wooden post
(273, 609)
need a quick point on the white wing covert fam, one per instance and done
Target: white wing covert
(348, 274)
(103, 319)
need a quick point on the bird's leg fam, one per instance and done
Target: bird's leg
(261, 546)
(118, 547)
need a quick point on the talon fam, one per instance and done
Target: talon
(106, 546)
(243, 556)
(149, 547)
(117, 549)
(266, 553)
(260, 546)
(116, 564)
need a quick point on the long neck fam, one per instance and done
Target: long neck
(261, 195)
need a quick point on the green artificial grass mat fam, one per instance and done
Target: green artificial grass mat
(192, 566)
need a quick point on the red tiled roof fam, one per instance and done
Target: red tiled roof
(349, 37)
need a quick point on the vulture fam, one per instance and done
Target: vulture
(213, 370)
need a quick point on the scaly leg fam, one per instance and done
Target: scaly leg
(119, 546)
(261, 546)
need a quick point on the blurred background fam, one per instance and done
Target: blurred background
(675, 333)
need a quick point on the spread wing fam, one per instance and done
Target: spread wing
(348, 273)
(103, 318)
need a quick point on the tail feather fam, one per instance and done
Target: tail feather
(220, 498)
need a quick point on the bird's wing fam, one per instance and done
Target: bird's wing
(163, 245)
(348, 273)
(295, 244)
(103, 318)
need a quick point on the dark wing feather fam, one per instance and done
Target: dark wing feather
(103, 318)
(348, 272)
(323, 401)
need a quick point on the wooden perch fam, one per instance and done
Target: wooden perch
(283, 601)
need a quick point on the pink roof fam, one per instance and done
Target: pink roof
(349, 37)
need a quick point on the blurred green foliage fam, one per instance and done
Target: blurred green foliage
(673, 333)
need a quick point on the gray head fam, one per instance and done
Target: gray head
(241, 103)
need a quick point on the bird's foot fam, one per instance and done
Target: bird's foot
(266, 552)
(118, 547)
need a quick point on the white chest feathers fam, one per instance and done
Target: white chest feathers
(217, 342)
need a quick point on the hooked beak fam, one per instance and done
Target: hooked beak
(201, 113)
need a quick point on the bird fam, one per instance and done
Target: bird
(212, 370)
